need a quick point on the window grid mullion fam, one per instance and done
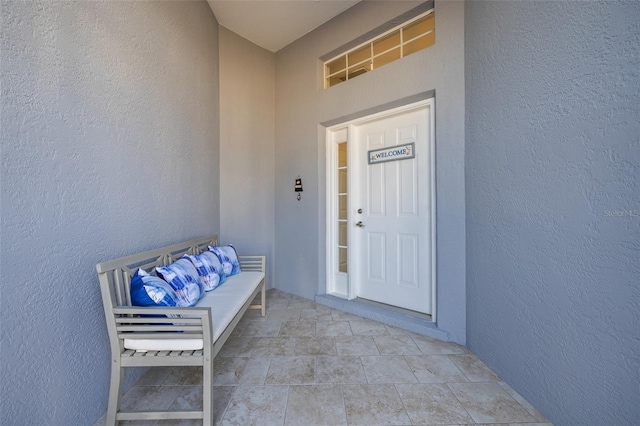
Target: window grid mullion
(346, 70)
(418, 37)
(372, 56)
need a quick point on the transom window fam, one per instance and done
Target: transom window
(405, 39)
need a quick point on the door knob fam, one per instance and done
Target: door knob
(359, 224)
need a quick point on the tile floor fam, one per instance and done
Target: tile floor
(305, 364)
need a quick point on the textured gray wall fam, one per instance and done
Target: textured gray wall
(553, 203)
(109, 147)
(301, 105)
(247, 134)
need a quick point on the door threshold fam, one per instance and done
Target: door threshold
(390, 315)
(396, 309)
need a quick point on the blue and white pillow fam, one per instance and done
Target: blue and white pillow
(184, 279)
(210, 269)
(229, 259)
(149, 290)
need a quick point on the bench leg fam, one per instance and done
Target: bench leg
(207, 392)
(264, 299)
(117, 375)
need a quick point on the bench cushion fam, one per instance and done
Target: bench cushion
(209, 268)
(149, 290)
(184, 279)
(228, 257)
(147, 345)
(225, 302)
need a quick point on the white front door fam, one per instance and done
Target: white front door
(391, 206)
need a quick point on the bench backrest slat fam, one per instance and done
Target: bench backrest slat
(115, 283)
(252, 263)
(115, 275)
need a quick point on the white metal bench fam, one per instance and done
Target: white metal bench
(150, 325)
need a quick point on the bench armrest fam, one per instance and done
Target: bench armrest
(253, 263)
(151, 322)
(163, 310)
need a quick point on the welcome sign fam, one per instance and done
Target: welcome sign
(398, 152)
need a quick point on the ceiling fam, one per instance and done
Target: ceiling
(275, 24)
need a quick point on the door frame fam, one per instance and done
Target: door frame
(344, 285)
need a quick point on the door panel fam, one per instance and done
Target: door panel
(376, 190)
(377, 254)
(407, 188)
(408, 260)
(392, 236)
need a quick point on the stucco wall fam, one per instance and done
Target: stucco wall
(301, 105)
(247, 135)
(109, 147)
(553, 203)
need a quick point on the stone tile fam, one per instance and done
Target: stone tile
(137, 423)
(394, 331)
(275, 303)
(146, 398)
(315, 405)
(274, 292)
(245, 320)
(238, 329)
(324, 388)
(296, 298)
(525, 404)
(530, 424)
(274, 346)
(302, 304)
(344, 316)
(396, 345)
(237, 370)
(387, 369)
(190, 398)
(474, 369)
(333, 328)
(298, 328)
(237, 346)
(253, 313)
(257, 405)
(432, 404)
(284, 315)
(435, 369)
(340, 369)
(430, 346)
(261, 328)
(368, 328)
(155, 376)
(374, 405)
(489, 403)
(184, 376)
(292, 371)
(318, 314)
(315, 346)
(356, 346)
